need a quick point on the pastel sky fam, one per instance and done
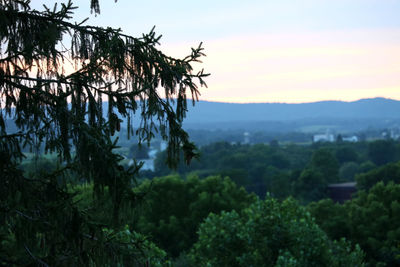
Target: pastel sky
(274, 50)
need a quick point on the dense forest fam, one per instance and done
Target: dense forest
(231, 192)
(237, 178)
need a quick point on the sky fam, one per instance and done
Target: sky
(288, 51)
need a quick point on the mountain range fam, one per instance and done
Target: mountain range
(205, 111)
(356, 115)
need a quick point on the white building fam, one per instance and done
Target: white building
(352, 139)
(246, 138)
(323, 138)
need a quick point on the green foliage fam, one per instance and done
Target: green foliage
(285, 170)
(248, 166)
(367, 166)
(261, 168)
(325, 162)
(52, 93)
(311, 185)
(375, 221)
(269, 233)
(174, 208)
(382, 151)
(386, 173)
(346, 154)
(281, 185)
(331, 217)
(147, 253)
(348, 171)
(372, 220)
(38, 165)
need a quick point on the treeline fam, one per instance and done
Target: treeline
(276, 132)
(302, 171)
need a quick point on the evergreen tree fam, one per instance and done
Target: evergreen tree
(53, 93)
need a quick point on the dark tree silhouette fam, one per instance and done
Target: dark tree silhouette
(53, 93)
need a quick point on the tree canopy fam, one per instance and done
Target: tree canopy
(269, 233)
(371, 220)
(174, 207)
(385, 174)
(55, 76)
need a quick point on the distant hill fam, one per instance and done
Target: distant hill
(362, 109)
(281, 117)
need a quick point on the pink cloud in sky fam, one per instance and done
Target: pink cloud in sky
(301, 67)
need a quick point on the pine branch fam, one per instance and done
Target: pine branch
(35, 258)
(100, 32)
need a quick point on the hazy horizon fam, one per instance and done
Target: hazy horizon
(327, 100)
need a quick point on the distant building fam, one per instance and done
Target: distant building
(148, 164)
(246, 138)
(341, 192)
(323, 138)
(163, 145)
(393, 133)
(352, 139)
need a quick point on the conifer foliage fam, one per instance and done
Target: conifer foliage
(54, 77)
